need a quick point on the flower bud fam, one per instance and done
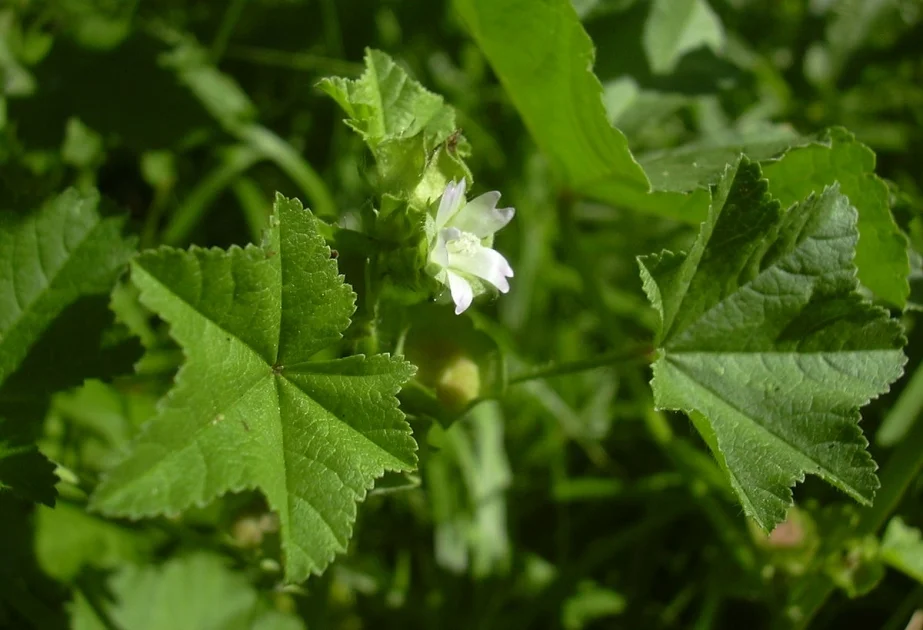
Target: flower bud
(459, 383)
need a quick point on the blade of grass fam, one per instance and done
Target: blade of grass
(254, 205)
(292, 164)
(301, 62)
(903, 414)
(190, 213)
(228, 23)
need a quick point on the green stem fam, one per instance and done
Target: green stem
(304, 62)
(191, 212)
(905, 611)
(632, 356)
(711, 606)
(286, 158)
(368, 343)
(92, 595)
(331, 27)
(398, 349)
(899, 618)
(904, 413)
(254, 206)
(149, 232)
(902, 468)
(898, 473)
(228, 23)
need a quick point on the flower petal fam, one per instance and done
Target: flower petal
(440, 254)
(484, 263)
(462, 293)
(482, 217)
(452, 199)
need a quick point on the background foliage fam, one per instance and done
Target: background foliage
(563, 500)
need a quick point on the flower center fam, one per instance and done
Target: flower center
(465, 244)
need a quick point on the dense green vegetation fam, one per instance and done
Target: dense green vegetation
(275, 354)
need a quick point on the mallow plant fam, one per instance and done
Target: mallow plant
(334, 357)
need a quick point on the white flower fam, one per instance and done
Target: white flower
(457, 250)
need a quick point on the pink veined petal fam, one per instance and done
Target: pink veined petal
(452, 199)
(462, 293)
(485, 263)
(482, 217)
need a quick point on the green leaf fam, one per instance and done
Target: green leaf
(67, 539)
(385, 105)
(15, 79)
(95, 25)
(468, 479)
(123, 92)
(218, 93)
(57, 267)
(795, 167)
(680, 175)
(902, 548)
(23, 469)
(855, 24)
(223, 98)
(590, 603)
(764, 334)
(402, 123)
(543, 58)
(857, 568)
(91, 426)
(676, 27)
(701, 164)
(250, 408)
(82, 342)
(197, 591)
(904, 413)
(82, 147)
(881, 254)
(48, 260)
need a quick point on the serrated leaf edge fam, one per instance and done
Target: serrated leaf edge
(662, 354)
(391, 401)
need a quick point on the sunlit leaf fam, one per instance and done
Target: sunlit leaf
(881, 255)
(902, 548)
(48, 260)
(544, 59)
(700, 164)
(250, 407)
(591, 603)
(768, 345)
(675, 27)
(67, 539)
(196, 591)
(403, 124)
